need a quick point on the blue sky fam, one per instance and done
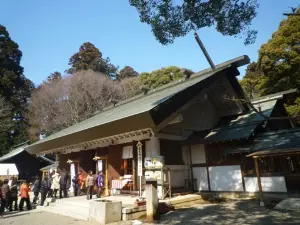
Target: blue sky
(50, 32)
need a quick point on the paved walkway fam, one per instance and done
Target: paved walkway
(242, 212)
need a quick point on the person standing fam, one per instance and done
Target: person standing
(90, 182)
(1, 201)
(75, 184)
(44, 189)
(80, 182)
(24, 194)
(50, 180)
(14, 196)
(36, 190)
(63, 184)
(68, 182)
(99, 183)
(55, 184)
(5, 194)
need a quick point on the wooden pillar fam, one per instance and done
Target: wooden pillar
(106, 176)
(191, 167)
(259, 182)
(207, 168)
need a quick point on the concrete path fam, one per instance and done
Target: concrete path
(292, 204)
(241, 212)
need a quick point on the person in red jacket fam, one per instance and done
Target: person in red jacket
(24, 194)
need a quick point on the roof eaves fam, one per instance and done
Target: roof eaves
(13, 152)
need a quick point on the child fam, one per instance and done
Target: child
(24, 194)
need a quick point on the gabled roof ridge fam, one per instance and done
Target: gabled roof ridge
(219, 67)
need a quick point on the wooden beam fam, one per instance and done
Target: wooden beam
(259, 182)
(277, 154)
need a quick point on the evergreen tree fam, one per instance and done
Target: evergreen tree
(278, 67)
(170, 19)
(160, 77)
(90, 58)
(127, 72)
(279, 58)
(15, 88)
(54, 76)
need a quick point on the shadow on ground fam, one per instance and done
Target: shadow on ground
(238, 212)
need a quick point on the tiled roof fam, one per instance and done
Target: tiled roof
(242, 126)
(283, 139)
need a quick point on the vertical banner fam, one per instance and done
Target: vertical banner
(100, 165)
(72, 172)
(140, 163)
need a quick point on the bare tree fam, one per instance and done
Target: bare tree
(64, 102)
(129, 87)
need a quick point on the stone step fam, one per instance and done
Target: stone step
(184, 199)
(81, 215)
(75, 209)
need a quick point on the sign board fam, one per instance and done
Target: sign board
(139, 159)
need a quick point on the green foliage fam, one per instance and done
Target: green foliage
(279, 58)
(252, 81)
(127, 72)
(54, 76)
(15, 88)
(90, 58)
(294, 108)
(160, 77)
(278, 67)
(170, 19)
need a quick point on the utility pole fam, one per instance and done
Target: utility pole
(201, 45)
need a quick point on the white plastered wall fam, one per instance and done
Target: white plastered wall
(198, 154)
(225, 178)
(269, 184)
(200, 174)
(178, 174)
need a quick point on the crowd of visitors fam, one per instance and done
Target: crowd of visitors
(9, 195)
(57, 182)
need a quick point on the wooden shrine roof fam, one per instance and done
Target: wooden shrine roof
(133, 114)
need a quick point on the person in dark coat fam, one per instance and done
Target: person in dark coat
(99, 183)
(50, 192)
(13, 196)
(64, 182)
(36, 189)
(75, 185)
(68, 178)
(1, 201)
(44, 189)
(5, 194)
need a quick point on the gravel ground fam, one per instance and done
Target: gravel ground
(240, 212)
